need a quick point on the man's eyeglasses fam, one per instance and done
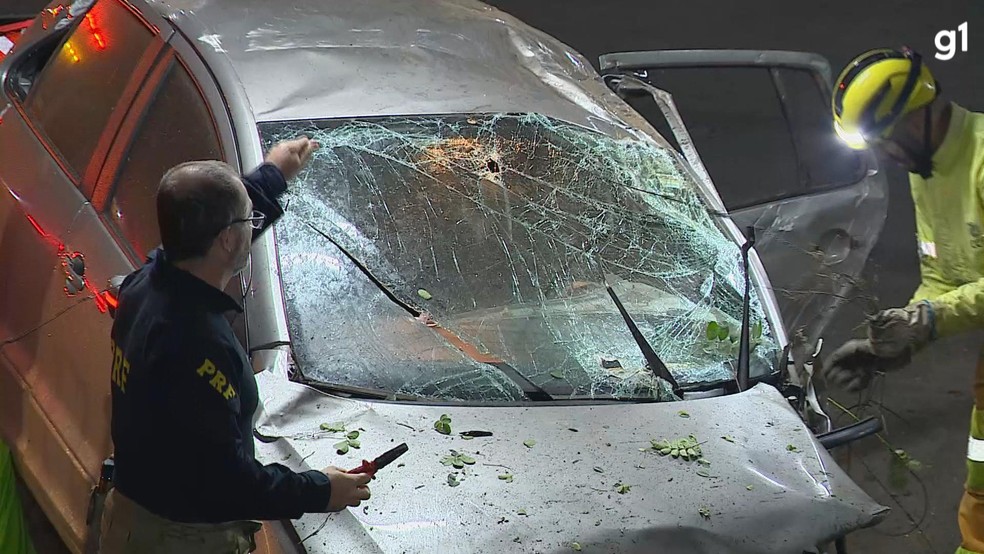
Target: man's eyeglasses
(255, 219)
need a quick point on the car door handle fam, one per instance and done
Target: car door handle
(74, 266)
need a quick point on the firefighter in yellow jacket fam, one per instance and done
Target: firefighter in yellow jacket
(888, 100)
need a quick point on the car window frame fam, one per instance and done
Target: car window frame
(85, 182)
(108, 182)
(637, 64)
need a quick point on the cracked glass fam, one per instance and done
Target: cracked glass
(465, 257)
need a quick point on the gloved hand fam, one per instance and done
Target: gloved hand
(853, 365)
(897, 330)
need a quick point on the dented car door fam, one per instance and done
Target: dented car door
(757, 125)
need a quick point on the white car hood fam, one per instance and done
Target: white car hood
(773, 489)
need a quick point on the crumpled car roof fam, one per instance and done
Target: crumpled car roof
(318, 58)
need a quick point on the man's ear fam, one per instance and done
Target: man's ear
(225, 240)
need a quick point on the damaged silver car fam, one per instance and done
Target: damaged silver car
(520, 268)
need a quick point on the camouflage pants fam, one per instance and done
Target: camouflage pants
(128, 528)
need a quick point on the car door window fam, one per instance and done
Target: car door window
(84, 82)
(763, 133)
(177, 127)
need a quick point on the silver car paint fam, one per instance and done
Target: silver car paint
(769, 488)
(284, 70)
(346, 60)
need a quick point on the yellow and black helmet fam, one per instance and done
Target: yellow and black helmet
(876, 90)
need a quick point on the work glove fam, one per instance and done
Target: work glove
(853, 365)
(894, 336)
(898, 330)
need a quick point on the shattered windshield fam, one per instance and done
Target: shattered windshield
(466, 258)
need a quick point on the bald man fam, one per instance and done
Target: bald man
(183, 390)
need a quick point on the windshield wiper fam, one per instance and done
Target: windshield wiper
(530, 389)
(653, 363)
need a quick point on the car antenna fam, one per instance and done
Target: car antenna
(743, 344)
(653, 362)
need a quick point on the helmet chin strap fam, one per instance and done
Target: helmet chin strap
(924, 158)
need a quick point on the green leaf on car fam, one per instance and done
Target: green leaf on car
(443, 425)
(687, 448)
(424, 294)
(457, 460)
(507, 477)
(333, 427)
(342, 447)
(529, 443)
(352, 435)
(557, 374)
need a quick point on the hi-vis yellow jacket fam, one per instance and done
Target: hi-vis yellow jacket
(950, 227)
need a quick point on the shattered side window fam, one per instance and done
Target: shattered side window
(503, 230)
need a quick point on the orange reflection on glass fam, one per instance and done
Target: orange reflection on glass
(71, 52)
(96, 33)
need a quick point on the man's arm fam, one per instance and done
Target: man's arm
(266, 183)
(960, 309)
(203, 400)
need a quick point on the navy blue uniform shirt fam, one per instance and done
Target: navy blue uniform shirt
(184, 398)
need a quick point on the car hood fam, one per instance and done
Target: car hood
(770, 486)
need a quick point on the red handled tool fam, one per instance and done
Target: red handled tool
(382, 461)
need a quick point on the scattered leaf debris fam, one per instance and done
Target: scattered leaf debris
(452, 481)
(705, 512)
(576, 546)
(703, 473)
(468, 435)
(424, 294)
(443, 425)
(529, 443)
(522, 512)
(557, 374)
(458, 460)
(622, 488)
(792, 448)
(687, 448)
(728, 438)
(507, 477)
(342, 447)
(749, 487)
(599, 469)
(683, 414)
(333, 427)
